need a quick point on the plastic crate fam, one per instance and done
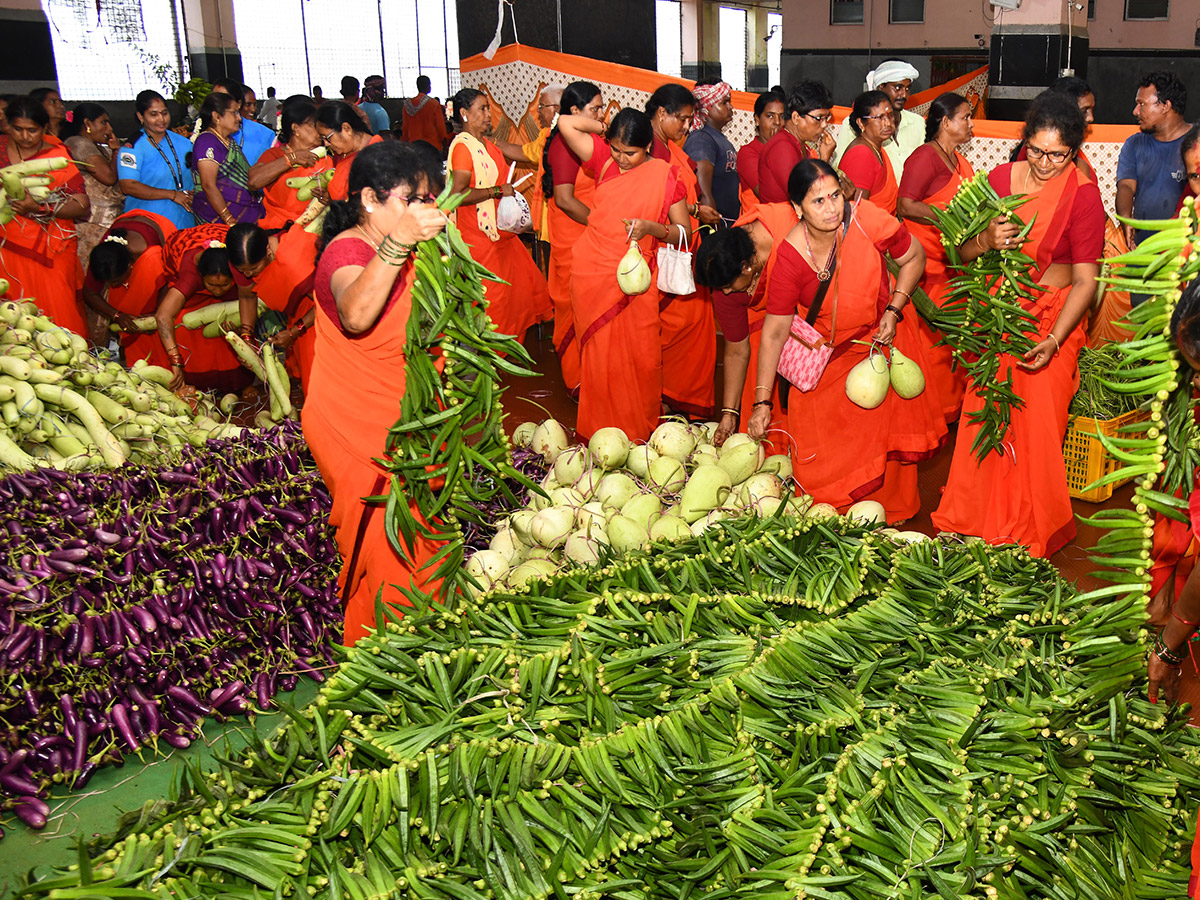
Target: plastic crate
(1086, 458)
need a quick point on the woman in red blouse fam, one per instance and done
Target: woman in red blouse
(932, 175)
(1021, 496)
(638, 198)
(292, 157)
(847, 453)
(864, 162)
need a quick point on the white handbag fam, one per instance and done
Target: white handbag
(675, 269)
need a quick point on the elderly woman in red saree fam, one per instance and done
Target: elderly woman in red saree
(344, 132)
(847, 453)
(479, 166)
(736, 263)
(865, 163)
(364, 286)
(125, 276)
(1021, 496)
(932, 175)
(38, 245)
(638, 199)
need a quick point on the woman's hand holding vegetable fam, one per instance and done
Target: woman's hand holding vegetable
(26, 206)
(708, 215)
(885, 333)
(727, 426)
(1001, 234)
(125, 322)
(760, 422)
(423, 223)
(640, 228)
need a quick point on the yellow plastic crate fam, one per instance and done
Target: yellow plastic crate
(1086, 458)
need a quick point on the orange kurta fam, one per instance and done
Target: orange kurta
(847, 453)
(138, 296)
(621, 366)
(40, 260)
(778, 219)
(525, 299)
(354, 398)
(1021, 496)
(428, 123)
(688, 328)
(339, 186)
(286, 286)
(280, 205)
(564, 233)
(941, 377)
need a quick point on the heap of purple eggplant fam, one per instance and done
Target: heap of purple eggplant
(136, 602)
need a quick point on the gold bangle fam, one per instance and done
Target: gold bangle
(907, 296)
(1057, 345)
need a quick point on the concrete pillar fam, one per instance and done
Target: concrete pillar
(701, 40)
(1030, 48)
(758, 71)
(211, 39)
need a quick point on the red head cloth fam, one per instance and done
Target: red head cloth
(708, 96)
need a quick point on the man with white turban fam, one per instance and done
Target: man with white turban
(894, 77)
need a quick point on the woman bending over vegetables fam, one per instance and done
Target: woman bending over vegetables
(1021, 496)
(847, 453)
(364, 281)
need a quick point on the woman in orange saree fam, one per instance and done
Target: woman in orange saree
(570, 192)
(686, 322)
(638, 199)
(363, 302)
(38, 245)
(1021, 496)
(479, 168)
(932, 175)
(736, 264)
(344, 133)
(864, 162)
(125, 276)
(847, 453)
(292, 157)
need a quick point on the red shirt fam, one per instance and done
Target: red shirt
(1083, 238)
(731, 312)
(564, 165)
(775, 163)
(747, 164)
(925, 174)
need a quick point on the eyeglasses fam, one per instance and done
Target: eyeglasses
(1055, 156)
(423, 200)
(547, 106)
(824, 120)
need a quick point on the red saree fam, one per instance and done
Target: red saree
(339, 186)
(138, 296)
(565, 232)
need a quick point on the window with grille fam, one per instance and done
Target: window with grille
(846, 12)
(114, 50)
(732, 25)
(1147, 9)
(668, 25)
(774, 46)
(902, 12)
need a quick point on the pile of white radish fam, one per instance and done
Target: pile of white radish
(60, 406)
(26, 177)
(868, 382)
(622, 496)
(270, 370)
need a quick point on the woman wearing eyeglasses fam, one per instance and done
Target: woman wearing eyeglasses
(292, 157)
(479, 167)
(1021, 495)
(363, 284)
(344, 133)
(808, 115)
(872, 119)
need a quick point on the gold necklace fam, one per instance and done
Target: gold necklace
(219, 138)
(367, 237)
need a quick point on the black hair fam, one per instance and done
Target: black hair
(349, 85)
(863, 104)
(216, 104)
(1190, 140)
(424, 85)
(336, 113)
(295, 111)
(804, 175)
(433, 162)
(761, 101)
(110, 259)
(632, 127)
(381, 167)
(805, 96)
(232, 86)
(141, 103)
(946, 106)
(1073, 87)
(39, 95)
(1168, 87)
(316, 89)
(1055, 112)
(463, 100)
(270, 92)
(83, 112)
(578, 94)
(1185, 320)
(721, 256)
(213, 261)
(670, 98)
(246, 244)
(27, 107)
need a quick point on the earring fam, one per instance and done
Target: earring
(369, 209)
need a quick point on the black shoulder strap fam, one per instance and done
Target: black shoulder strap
(815, 309)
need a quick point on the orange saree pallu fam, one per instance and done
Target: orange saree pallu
(846, 453)
(354, 398)
(620, 347)
(1021, 496)
(339, 185)
(138, 296)
(286, 286)
(40, 259)
(941, 377)
(280, 204)
(688, 328)
(565, 232)
(779, 219)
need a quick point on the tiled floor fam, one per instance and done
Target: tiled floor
(534, 398)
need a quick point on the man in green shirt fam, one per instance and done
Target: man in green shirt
(894, 77)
